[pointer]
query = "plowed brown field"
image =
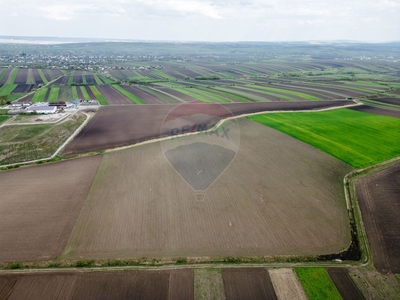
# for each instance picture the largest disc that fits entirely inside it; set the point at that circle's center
(41, 206)
(279, 196)
(248, 284)
(378, 197)
(116, 126)
(168, 285)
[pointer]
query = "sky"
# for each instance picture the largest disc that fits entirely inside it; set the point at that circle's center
(203, 20)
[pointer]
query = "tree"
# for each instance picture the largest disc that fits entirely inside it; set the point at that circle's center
(3, 100)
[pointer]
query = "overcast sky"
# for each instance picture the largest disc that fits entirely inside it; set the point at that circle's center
(203, 20)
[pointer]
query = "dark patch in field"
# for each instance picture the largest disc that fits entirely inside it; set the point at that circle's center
(394, 101)
(378, 195)
(200, 163)
(116, 126)
(181, 284)
(78, 77)
(4, 79)
(345, 285)
(62, 80)
(23, 88)
(38, 286)
(148, 98)
(21, 77)
(251, 283)
(376, 110)
(36, 76)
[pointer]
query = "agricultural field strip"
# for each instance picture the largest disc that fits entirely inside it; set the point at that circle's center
(317, 284)
(40, 95)
(58, 150)
(220, 123)
(99, 96)
(353, 151)
(30, 79)
(165, 93)
(255, 91)
(12, 76)
(44, 79)
(308, 87)
(53, 96)
(7, 89)
(131, 96)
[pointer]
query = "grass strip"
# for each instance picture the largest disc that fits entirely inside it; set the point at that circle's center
(30, 79)
(74, 93)
(317, 284)
(99, 96)
(97, 79)
(12, 76)
(357, 138)
(53, 96)
(298, 94)
(155, 94)
(45, 81)
(40, 95)
(71, 78)
(2, 117)
(7, 89)
(84, 79)
(85, 94)
(105, 79)
(131, 96)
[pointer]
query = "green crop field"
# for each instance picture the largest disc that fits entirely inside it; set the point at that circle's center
(74, 93)
(131, 96)
(40, 71)
(71, 78)
(359, 139)
(7, 89)
(317, 283)
(30, 79)
(97, 79)
(53, 96)
(12, 76)
(99, 96)
(39, 95)
(3, 118)
(85, 94)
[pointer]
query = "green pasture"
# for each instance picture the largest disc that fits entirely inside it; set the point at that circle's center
(3, 117)
(359, 139)
(317, 284)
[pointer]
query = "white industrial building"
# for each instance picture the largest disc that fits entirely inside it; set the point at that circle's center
(42, 109)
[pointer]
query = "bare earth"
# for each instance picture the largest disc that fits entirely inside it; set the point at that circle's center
(286, 284)
(41, 206)
(278, 196)
(378, 195)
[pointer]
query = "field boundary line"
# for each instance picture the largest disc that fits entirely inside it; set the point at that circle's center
(59, 148)
(217, 125)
